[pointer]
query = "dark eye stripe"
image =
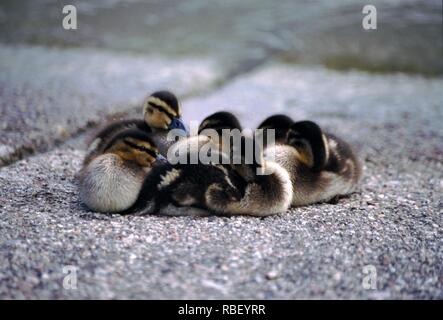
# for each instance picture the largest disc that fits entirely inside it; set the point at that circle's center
(161, 109)
(141, 148)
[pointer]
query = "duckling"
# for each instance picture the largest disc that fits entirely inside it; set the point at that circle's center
(240, 187)
(280, 123)
(184, 152)
(261, 194)
(218, 123)
(111, 181)
(169, 188)
(161, 113)
(322, 166)
(265, 187)
(210, 136)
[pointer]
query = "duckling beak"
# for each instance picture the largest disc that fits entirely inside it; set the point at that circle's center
(177, 123)
(161, 159)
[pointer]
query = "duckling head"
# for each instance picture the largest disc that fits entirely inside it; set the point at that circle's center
(219, 121)
(162, 111)
(280, 123)
(310, 142)
(221, 127)
(135, 146)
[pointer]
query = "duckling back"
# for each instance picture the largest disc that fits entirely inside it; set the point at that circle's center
(266, 194)
(109, 184)
(105, 134)
(342, 159)
(262, 187)
(308, 186)
(320, 165)
(169, 187)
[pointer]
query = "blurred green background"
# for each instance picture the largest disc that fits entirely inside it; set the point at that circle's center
(408, 38)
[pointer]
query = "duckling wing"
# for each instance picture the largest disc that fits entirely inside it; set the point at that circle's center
(343, 160)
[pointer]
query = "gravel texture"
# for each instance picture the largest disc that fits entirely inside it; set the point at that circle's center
(394, 223)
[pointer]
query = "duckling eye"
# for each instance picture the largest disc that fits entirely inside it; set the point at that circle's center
(150, 111)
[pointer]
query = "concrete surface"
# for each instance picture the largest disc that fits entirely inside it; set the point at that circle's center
(394, 223)
(49, 95)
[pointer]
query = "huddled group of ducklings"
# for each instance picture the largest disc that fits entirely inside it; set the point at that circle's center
(126, 169)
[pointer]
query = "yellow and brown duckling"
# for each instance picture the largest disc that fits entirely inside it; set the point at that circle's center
(322, 166)
(111, 181)
(161, 113)
(237, 187)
